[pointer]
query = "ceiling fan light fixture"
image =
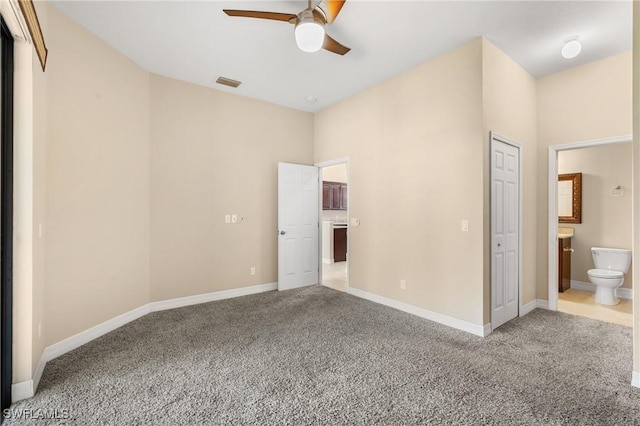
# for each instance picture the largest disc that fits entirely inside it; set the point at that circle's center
(309, 35)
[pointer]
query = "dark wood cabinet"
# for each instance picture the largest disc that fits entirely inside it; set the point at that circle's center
(344, 196)
(339, 244)
(564, 264)
(334, 196)
(326, 196)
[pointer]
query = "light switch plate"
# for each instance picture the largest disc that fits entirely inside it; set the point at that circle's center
(227, 218)
(234, 218)
(355, 221)
(464, 226)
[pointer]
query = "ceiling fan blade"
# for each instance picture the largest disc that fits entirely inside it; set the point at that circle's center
(274, 16)
(333, 46)
(333, 8)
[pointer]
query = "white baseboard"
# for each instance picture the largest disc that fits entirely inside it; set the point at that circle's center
(22, 390)
(532, 305)
(528, 307)
(210, 297)
(542, 304)
(77, 340)
(635, 379)
(27, 389)
(623, 293)
(478, 330)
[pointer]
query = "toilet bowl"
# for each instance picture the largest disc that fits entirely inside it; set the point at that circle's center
(610, 266)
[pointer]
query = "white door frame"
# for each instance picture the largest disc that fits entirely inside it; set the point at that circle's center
(552, 223)
(494, 136)
(335, 162)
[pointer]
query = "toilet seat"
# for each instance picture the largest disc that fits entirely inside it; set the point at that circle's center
(605, 273)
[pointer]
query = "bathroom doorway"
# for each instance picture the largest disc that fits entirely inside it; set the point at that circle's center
(334, 224)
(603, 197)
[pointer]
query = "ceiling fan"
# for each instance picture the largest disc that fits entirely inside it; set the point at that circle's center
(309, 25)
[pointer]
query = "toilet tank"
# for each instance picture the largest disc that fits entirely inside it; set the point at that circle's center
(611, 258)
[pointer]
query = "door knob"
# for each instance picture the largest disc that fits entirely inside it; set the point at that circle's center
(282, 232)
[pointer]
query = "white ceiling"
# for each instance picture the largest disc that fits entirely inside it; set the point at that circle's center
(197, 42)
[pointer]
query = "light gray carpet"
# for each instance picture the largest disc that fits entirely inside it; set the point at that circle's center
(318, 356)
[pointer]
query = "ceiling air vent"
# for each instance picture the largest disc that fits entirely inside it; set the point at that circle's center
(228, 82)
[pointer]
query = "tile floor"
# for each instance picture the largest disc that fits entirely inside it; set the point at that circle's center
(579, 302)
(335, 275)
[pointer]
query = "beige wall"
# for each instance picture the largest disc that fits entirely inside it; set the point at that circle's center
(215, 153)
(97, 173)
(140, 170)
(509, 109)
(606, 220)
(591, 101)
(401, 137)
(337, 173)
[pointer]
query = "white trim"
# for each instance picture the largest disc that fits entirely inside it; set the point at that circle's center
(552, 220)
(210, 297)
(39, 370)
(477, 329)
(528, 307)
(494, 136)
(486, 330)
(22, 390)
(542, 304)
(27, 388)
(14, 19)
(581, 285)
(320, 165)
(635, 379)
(623, 293)
(77, 340)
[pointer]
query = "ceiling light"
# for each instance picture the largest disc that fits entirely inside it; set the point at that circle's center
(309, 33)
(571, 48)
(311, 99)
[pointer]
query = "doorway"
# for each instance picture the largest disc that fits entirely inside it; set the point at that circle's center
(603, 207)
(334, 224)
(506, 230)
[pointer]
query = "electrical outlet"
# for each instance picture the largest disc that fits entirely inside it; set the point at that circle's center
(227, 218)
(253, 270)
(403, 284)
(234, 218)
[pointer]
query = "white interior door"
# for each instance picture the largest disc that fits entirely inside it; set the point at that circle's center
(505, 231)
(297, 225)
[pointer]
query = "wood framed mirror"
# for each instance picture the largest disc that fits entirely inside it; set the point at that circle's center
(570, 198)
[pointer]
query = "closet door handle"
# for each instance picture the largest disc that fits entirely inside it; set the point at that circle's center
(570, 250)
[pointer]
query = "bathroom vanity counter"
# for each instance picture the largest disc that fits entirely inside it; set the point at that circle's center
(565, 233)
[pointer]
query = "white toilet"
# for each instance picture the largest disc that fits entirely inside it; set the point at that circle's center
(611, 265)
